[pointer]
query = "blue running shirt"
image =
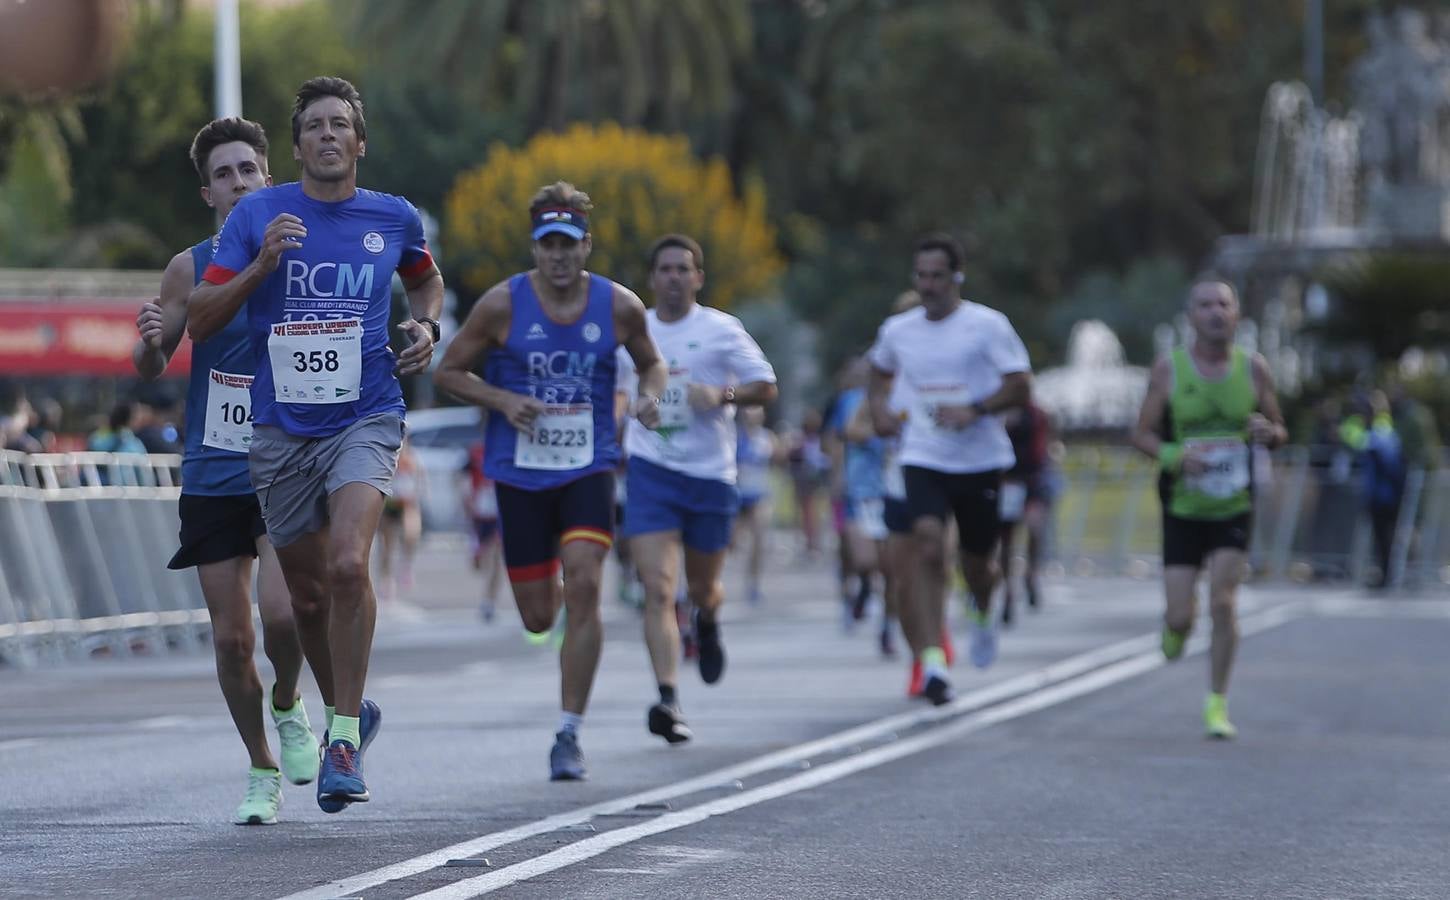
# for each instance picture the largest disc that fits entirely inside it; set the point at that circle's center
(319, 324)
(218, 404)
(569, 366)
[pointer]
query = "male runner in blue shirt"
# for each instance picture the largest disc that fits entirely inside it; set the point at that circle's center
(313, 263)
(550, 337)
(221, 522)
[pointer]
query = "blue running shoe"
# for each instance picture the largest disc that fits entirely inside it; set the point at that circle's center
(566, 760)
(370, 719)
(341, 778)
(983, 650)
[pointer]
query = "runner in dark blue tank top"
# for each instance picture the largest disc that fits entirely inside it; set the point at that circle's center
(221, 520)
(312, 265)
(549, 336)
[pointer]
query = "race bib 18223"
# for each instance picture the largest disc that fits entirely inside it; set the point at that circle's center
(562, 438)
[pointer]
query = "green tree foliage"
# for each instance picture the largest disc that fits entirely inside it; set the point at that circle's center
(1390, 303)
(642, 186)
(657, 63)
(132, 166)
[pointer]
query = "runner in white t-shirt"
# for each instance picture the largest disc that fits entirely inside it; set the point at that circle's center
(681, 487)
(963, 363)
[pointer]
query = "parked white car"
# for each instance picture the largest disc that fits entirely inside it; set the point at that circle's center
(441, 438)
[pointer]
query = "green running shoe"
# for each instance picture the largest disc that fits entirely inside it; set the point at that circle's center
(1173, 642)
(1215, 718)
(264, 796)
(300, 760)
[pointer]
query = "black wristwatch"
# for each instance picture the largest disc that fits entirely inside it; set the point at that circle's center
(980, 409)
(433, 326)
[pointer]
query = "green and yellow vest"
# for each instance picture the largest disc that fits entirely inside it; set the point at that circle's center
(1214, 416)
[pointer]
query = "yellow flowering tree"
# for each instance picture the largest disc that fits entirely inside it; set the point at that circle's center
(643, 185)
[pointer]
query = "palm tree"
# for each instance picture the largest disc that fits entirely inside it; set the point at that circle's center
(656, 63)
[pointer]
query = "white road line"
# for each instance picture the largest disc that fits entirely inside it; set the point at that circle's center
(1013, 709)
(1022, 684)
(19, 743)
(1381, 608)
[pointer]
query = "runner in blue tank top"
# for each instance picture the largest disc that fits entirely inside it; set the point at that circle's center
(221, 521)
(550, 336)
(312, 263)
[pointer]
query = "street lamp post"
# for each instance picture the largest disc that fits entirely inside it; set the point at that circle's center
(228, 60)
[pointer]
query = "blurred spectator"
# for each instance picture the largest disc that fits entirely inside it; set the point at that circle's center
(1331, 499)
(477, 492)
(755, 453)
(1382, 455)
(809, 469)
(16, 422)
(850, 393)
(1416, 425)
(158, 406)
(46, 424)
(1028, 490)
(119, 433)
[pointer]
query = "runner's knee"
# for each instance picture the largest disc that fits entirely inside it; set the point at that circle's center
(234, 645)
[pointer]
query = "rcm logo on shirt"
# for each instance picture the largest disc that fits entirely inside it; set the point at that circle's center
(563, 376)
(328, 281)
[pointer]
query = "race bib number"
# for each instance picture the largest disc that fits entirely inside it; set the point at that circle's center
(930, 396)
(316, 361)
(228, 412)
(562, 438)
(1011, 501)
(753, 480)
(1227, 471)
(675, 401)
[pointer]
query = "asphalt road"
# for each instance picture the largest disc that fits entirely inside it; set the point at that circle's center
(1072, 768)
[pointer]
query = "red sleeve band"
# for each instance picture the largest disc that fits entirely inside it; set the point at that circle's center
(417, 267)
(216, 274)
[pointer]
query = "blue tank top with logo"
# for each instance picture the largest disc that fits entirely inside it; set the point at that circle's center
(571, 367)
(215, 464)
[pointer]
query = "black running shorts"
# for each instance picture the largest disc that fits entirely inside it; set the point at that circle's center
(970, 497)
(216, 529)
(535, 524)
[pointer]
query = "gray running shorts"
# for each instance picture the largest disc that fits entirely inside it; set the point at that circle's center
(294, 475)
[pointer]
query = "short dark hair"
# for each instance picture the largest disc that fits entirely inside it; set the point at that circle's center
(225, 131)
(684, 242)
(314, 89)
(940, 240)
(559, 195)
(120, 416)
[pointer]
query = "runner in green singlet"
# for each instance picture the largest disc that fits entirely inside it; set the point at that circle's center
(1206, 404)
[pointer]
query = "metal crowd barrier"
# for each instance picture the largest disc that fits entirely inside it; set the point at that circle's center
(84, 542)
(1310, 522)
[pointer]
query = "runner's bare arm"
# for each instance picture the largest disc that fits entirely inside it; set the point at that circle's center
(1146, 434)
(632, 330)
(756, 393)
(162, 321)
(485, 329)
(1015, 391)
(211, 306)
(425, 299)
(859, 429)
(878, 390)
(1267, 425)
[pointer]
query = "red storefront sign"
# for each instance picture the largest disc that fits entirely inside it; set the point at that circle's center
(74, 338)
